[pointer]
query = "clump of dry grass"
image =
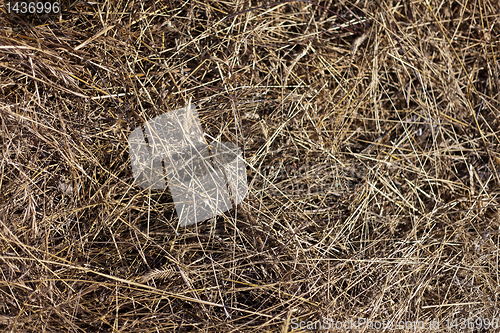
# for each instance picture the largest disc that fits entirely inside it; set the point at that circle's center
(370, 130)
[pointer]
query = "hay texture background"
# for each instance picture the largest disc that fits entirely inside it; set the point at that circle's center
(371, 135)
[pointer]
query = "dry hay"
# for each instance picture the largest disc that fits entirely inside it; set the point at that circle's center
(370, 132)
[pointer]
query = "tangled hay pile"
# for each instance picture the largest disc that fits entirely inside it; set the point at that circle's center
(370, 133)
